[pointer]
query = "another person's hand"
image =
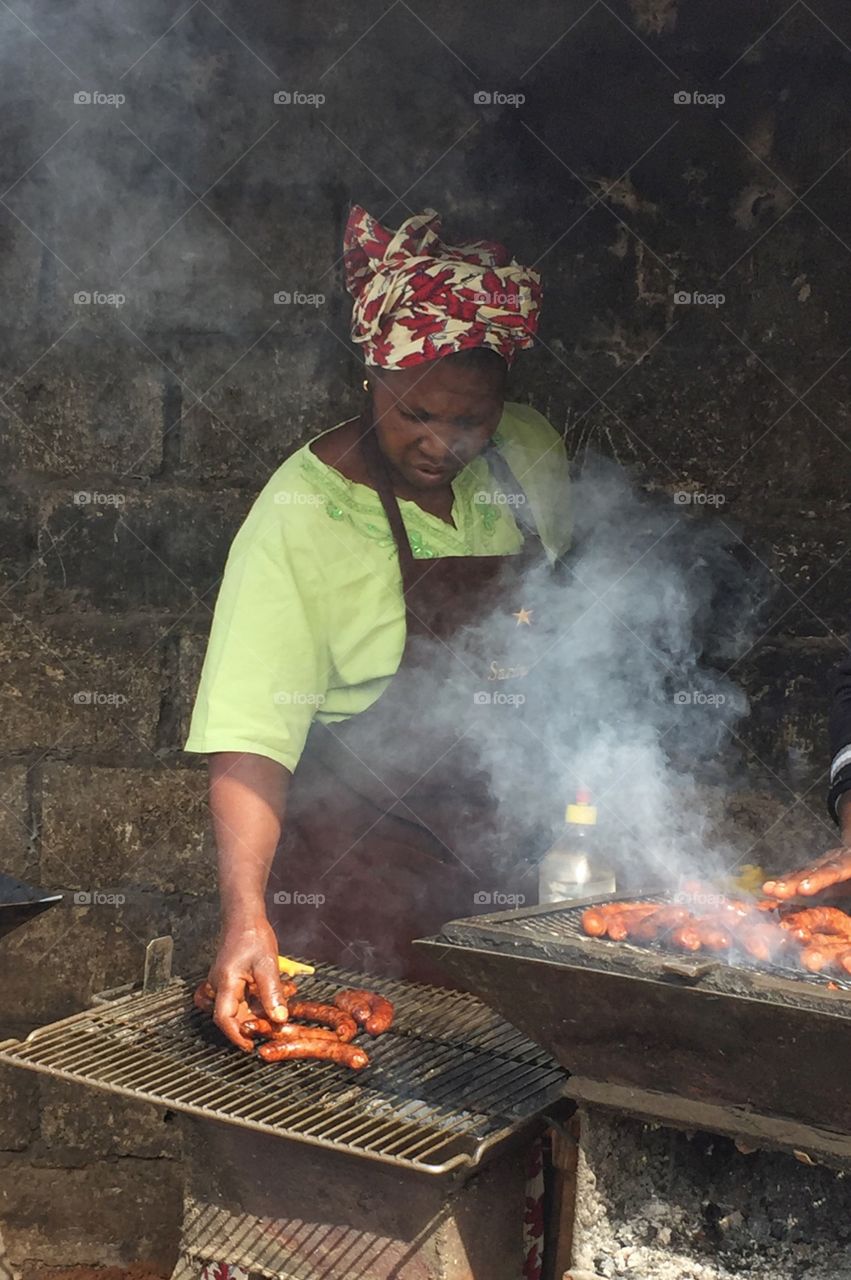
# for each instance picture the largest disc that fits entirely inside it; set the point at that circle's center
(247, 954)
(833, 869)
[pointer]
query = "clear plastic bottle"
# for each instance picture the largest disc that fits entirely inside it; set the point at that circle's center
(572, 867)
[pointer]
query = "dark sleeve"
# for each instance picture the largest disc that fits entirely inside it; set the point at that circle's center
(839, 729)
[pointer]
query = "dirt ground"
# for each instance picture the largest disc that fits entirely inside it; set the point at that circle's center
(138, 1271)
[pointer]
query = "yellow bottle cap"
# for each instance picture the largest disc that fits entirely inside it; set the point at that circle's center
(584, 814)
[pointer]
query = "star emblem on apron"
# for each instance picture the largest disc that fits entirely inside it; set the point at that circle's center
(523, 616)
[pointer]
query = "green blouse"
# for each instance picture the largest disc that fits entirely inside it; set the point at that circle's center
(310, 619)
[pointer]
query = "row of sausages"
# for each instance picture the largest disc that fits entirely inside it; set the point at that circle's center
(290, 1040)
(819, 937)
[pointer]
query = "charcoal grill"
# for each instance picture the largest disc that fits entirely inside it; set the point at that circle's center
(666, 1035)
(446, 1085)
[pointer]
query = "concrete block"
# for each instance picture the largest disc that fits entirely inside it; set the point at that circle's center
(18, 1108)
(85, 409)
(80, 948)
(18, 554)
(123, 549)
(79, 1124)
(279, 395)
(64, 686)
(788, 686)
(104, 827)
(109, 1212)
(17, 856)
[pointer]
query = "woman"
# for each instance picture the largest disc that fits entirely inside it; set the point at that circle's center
(376, 629)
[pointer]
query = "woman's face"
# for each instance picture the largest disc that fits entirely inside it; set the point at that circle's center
(432, 419)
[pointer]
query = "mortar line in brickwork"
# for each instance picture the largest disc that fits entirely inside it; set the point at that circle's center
(33, 791)
(172, 406)
(165, 735)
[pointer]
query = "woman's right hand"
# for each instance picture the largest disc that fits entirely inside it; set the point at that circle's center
(248, 953)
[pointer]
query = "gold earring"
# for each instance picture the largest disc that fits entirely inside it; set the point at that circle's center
(366, 384)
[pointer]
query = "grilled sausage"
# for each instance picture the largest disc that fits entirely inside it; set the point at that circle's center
(822, 951)
(711, 933)
(764, 941)
(331, 1050)
(687, 937)
(312, 1011)
(619, 923)
(289, 1031)
(204, 998)
(651, 928)
(370, 1011)
(596, 919)
(818, 920)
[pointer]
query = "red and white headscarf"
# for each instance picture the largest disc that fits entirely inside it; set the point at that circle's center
(417, 299)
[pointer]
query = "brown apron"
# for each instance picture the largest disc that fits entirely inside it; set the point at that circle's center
(396, 821)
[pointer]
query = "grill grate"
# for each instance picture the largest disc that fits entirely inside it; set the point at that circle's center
(450, 1079)
(555, 932)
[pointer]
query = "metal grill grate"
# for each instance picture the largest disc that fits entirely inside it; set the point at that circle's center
(555, 933)
(447, 1082)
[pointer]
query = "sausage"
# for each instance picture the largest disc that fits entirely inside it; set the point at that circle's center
(370, 1011)
(287, 1032)
(687, 937)
(764, 941)
(204, 998)
(331, 1050)
(650, 928)
(715, 935)
(595, 919)
(619, 923)
(818, 920)
(822, 951)
(312, 1011)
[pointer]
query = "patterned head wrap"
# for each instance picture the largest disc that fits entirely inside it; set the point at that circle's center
(417, 299)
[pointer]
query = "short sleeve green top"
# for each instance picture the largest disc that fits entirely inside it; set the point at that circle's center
(310, 619)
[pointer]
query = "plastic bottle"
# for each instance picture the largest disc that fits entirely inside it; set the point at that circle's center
(572, 867)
